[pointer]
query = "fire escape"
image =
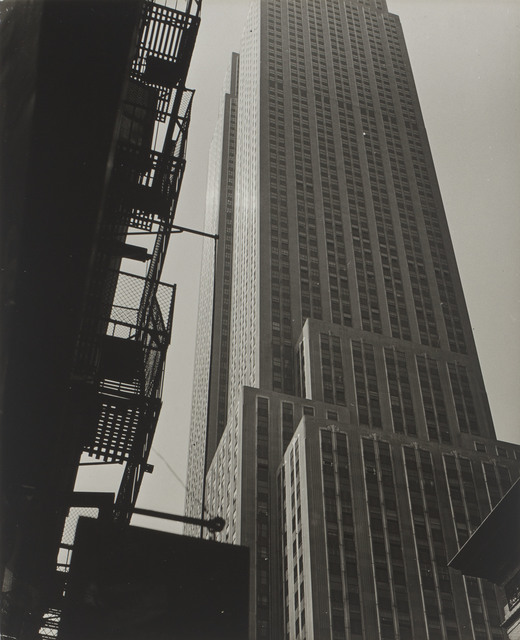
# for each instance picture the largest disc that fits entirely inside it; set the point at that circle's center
(128, 318)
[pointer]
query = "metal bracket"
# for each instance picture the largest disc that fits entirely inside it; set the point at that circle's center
(214, 525)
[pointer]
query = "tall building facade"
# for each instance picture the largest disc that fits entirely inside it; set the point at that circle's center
(349, 439)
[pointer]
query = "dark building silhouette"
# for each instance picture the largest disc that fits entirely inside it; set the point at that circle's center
(349, 440)
(94, 124)
(139, 583)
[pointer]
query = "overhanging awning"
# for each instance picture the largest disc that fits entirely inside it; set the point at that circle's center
(493, 551)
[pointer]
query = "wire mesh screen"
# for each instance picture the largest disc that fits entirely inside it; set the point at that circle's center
(132, 366)
(69, 530)
(131, 308)
(161, 311)
(126, 305)
(50, 624)
(154, 354)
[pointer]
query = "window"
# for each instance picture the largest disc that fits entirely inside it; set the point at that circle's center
(512, 589)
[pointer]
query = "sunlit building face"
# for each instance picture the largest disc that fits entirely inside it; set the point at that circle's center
(350, 443)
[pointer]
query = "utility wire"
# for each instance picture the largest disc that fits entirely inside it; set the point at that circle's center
(169, 466)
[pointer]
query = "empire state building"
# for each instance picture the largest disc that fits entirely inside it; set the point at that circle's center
(340, 423)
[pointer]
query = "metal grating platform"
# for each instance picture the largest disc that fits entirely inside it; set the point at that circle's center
(166, 45)
(131, 367)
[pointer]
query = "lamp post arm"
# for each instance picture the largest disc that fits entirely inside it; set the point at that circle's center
(214, 524)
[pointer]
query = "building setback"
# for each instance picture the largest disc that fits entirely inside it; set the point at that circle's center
(349, 439)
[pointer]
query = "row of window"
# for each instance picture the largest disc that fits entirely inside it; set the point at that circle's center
(318, 66)
(426, 490)
(397, 386)
(342, 569)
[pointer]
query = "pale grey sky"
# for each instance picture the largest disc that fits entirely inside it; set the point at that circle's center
(465, 56)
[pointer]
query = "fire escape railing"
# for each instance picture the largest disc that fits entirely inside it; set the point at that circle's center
(132, 356)
(122, 350)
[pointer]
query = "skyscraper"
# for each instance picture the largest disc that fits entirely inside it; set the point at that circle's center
(349, 439)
